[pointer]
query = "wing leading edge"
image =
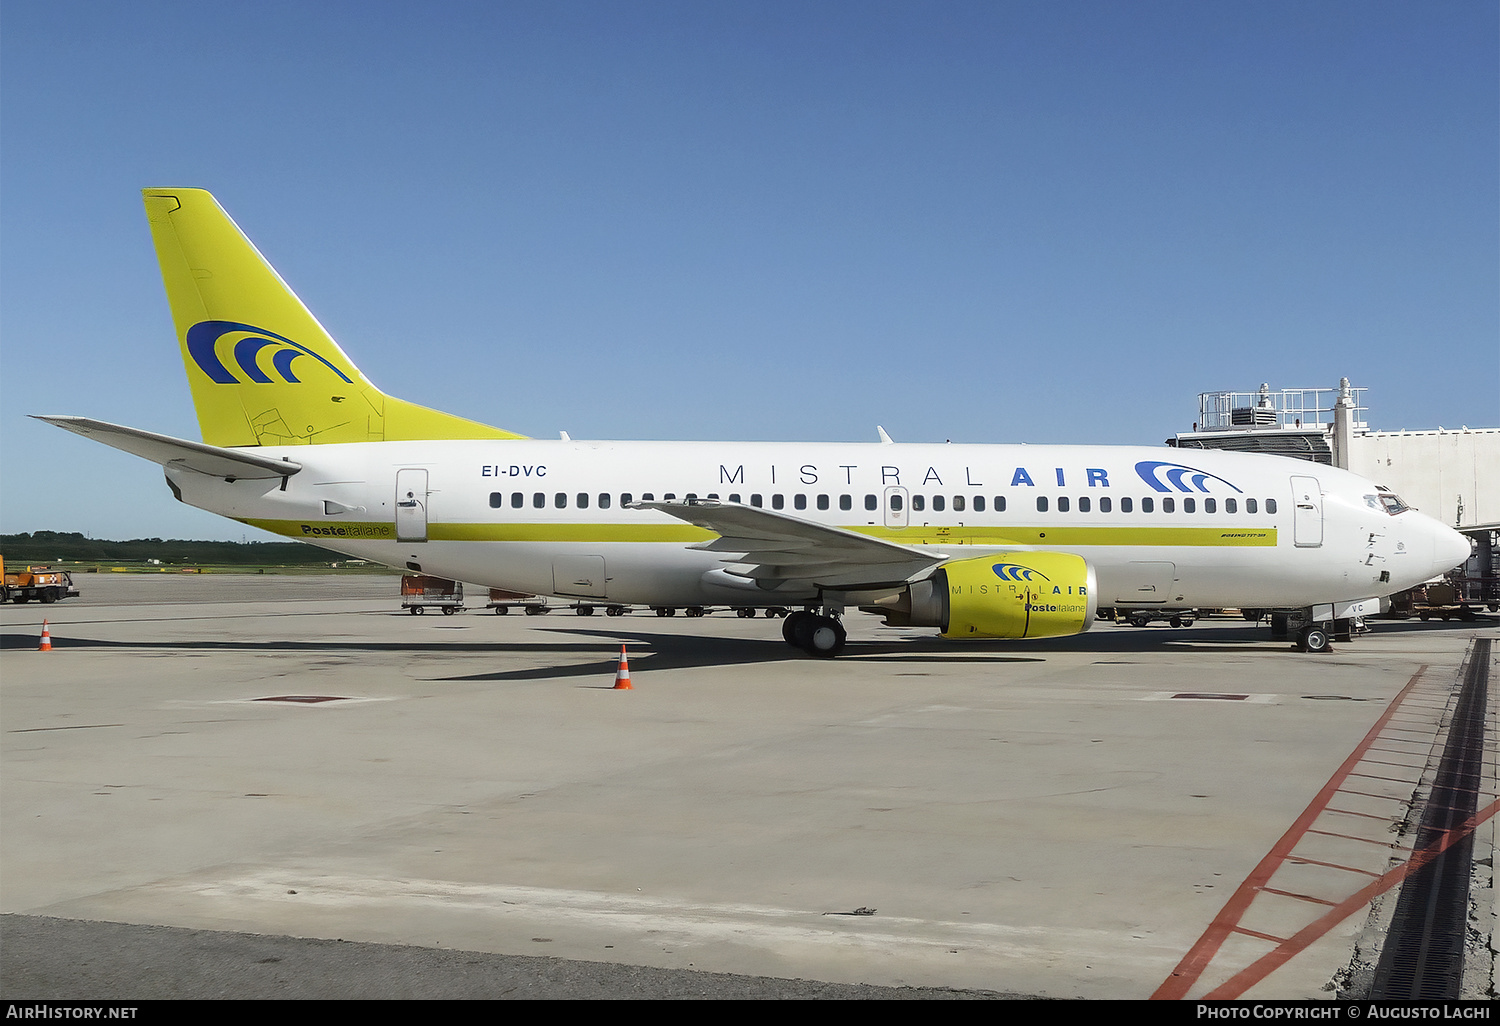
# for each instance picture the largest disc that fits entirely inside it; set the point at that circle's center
(770, 547)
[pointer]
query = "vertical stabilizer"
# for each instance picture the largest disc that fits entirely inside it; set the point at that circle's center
(262, 370)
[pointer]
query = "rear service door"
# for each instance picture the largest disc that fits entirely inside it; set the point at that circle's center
(411, 505)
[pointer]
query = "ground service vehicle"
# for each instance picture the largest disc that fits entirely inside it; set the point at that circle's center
(420, 592)
(36, 582)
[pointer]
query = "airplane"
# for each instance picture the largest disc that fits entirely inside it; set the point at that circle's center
(979, 541)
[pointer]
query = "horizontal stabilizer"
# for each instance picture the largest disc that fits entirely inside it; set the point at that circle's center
(177, 452)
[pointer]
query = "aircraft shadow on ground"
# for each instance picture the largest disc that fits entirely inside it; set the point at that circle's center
(655, 650)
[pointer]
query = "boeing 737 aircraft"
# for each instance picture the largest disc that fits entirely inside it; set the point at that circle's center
(998, 541)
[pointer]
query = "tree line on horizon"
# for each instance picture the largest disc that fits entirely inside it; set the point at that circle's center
(51, 546)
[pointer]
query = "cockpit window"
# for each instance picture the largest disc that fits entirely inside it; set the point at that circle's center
(1392, 502)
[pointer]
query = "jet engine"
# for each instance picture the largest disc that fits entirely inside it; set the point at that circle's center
(1010, 595)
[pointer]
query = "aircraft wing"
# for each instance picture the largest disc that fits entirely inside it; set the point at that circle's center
(764, 545)
(177, 452)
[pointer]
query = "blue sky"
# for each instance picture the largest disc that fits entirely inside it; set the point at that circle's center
(990, 222)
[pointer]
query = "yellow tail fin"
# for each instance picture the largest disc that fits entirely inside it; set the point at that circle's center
(263, 371)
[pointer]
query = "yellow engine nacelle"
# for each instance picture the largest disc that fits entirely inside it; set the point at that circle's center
(1012, 595)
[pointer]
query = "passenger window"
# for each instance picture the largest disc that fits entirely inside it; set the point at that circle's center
(1251, 506)
(539, 500)
(1230, 506)
(668, 496)
(918, 503)
(625, 498)
(560, 500)
(778, 501)
(872, 503)
(1210, 506)
(1189, 506)
(999, 504)
(517, 500)
(799, 501)
(1106, 504)
(496, 500)
(847, 501)
(896, 502)
(1148, 504)
(755, 500)
(1083, 504)
(938, 503)
(1062, 503)
(1041, 504)
(604, 500)
(1270, 505)
(979, 504)
(958, 504)
(734, 496)
(690, 496)
(1169, 505)
(583, 500)
(822, 502)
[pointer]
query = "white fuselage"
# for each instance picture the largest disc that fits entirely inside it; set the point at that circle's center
(1162, 527)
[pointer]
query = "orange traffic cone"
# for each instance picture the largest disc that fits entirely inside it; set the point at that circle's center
(622, 675)
(46, 645)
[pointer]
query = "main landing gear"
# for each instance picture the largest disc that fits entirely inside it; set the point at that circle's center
(817, 634)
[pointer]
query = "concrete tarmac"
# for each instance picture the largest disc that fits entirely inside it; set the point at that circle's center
(295, 757)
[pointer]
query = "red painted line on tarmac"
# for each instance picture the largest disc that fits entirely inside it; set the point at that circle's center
(1300, 861)
(1381, 776)
(1381, 842)
(1258, 935)
(1299, 897)
(1182, 978)
(1269, 963)
(1374, 794)
(1362, 815)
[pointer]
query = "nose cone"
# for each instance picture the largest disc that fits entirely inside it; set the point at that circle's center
(1449, 549)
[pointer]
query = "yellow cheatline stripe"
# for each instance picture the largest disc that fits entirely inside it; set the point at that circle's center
(679, 533)
(1070, 536)
(685, 534)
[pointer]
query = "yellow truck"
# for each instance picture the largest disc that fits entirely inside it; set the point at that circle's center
(35, 582)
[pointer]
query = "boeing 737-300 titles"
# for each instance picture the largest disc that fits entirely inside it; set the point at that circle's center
(998, 541)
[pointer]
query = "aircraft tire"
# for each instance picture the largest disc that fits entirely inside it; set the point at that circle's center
(825, 636)
(1312, 639)
(789, 627)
